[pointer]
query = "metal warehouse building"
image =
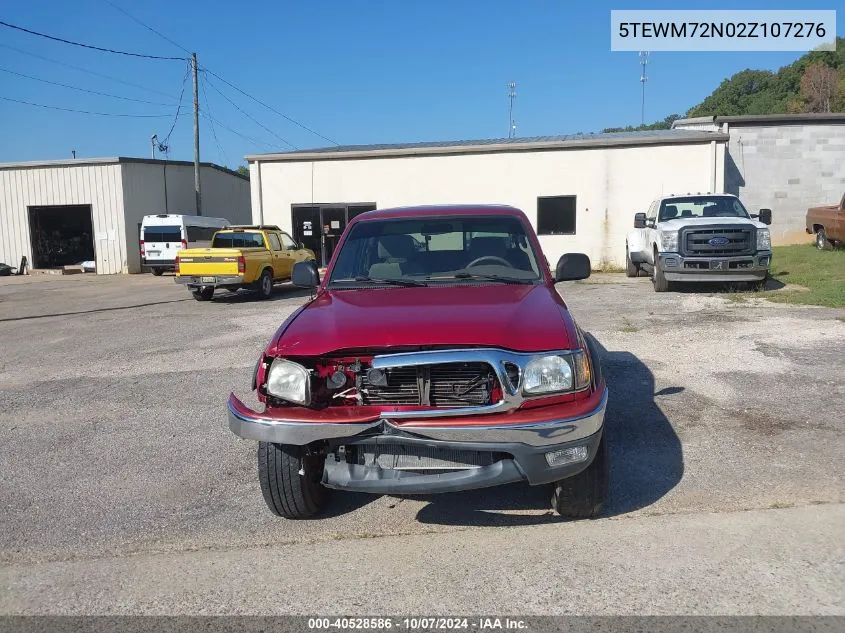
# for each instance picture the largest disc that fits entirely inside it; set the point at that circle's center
(784, 162)
(62, 212)
(580, 192)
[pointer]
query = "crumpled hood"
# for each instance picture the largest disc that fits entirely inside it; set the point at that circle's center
(679, 223)
(517, 317)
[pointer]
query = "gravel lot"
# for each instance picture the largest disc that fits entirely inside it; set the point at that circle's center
(117, 467)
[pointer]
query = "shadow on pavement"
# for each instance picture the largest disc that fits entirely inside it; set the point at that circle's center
(93, 310)
(280, 293)
(645, 455)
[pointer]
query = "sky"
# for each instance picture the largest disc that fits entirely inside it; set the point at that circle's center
(353, 71)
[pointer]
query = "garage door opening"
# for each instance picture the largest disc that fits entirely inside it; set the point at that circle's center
(61, 235)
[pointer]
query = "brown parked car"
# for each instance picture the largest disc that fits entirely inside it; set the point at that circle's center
(827, 224)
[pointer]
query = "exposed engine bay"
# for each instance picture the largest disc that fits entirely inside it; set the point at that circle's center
(352, 380)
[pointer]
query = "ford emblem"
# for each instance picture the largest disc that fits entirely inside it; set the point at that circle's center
(718, 241)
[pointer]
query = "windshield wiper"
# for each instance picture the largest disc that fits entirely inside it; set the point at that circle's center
(382, 280)
(499, 278)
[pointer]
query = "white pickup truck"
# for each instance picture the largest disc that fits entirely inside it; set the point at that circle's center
(699, 237)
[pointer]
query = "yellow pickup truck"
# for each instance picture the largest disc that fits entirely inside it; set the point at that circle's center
(251, 257)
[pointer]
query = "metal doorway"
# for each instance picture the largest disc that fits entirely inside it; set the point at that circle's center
(319, 226)
(61, 235)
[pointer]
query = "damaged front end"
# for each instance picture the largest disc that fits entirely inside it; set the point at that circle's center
(434, 420)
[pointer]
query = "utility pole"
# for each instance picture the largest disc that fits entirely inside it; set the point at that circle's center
(511, 96)
(643, 79)
(153, 143)
(197, 189)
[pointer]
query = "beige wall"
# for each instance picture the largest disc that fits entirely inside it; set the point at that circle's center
(97, 185)
(611, 184)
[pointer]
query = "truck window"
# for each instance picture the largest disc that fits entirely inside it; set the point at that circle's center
(287, 242)
(238, 240)
(274, 242)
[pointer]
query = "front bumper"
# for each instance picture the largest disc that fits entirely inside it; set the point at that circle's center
(677, 267)
(524, 447)
(211, 281)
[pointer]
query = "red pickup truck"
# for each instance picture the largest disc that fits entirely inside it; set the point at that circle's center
(827, 223)
(435, 356)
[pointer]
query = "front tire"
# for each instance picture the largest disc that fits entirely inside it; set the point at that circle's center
(822, 243)
(290, 480)
(203, 294)
(658, 278)
(631, 269)
(582, 496)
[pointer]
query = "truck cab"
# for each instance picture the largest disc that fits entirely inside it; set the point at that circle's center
(699, 238)
(827, 224)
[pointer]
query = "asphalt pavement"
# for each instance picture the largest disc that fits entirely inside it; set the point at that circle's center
(122, 491)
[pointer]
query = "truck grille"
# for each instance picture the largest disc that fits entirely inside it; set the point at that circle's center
(450, 385)
(697, 241)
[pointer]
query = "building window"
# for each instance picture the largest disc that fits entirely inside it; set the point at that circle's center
(556, 215)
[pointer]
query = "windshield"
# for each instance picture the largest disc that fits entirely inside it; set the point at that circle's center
(433, 250)
(238, 240)
(162, 234)
(702, 207)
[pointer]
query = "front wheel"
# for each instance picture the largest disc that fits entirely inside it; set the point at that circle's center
(582, 496)
(290, 480)
(661, 284)
(158, 272)
(822, 243)
(203, 294)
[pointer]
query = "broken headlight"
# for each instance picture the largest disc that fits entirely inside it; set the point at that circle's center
(289, 381)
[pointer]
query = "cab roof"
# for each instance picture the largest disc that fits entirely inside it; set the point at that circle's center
(441, 210)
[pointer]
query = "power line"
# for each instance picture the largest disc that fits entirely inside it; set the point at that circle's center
(164, 144)
(271, 108)
(247, 115)
(220, 152)
(52, 107)
(146, 26)
(88, 46)
(90, 72)
(93, 92)
(235, 132)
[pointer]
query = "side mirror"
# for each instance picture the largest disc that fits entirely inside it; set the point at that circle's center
(572, 266)
(766, 216)
(305, 274)
(639, 220)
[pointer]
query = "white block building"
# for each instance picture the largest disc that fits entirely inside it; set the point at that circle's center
(580, 192)
(65, 211)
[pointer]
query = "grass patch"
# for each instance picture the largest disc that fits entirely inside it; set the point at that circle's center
(628, 327)
(607, 267)
(822, 272)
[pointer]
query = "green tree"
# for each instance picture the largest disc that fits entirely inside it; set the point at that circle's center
(243, 171)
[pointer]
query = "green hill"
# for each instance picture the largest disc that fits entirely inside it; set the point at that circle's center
(765, 92)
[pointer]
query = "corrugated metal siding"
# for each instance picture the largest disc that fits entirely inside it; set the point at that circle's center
(223, 196)
(96, 185)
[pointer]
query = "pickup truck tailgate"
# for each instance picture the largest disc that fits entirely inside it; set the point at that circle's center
(209, 261)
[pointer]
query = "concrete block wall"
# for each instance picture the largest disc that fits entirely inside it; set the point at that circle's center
(787, 168)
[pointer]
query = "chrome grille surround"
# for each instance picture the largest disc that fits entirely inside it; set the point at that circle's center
(497, 359)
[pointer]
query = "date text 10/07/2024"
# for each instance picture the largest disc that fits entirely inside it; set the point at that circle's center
(421, 623)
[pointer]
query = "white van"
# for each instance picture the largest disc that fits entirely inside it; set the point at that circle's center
(164, 235)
